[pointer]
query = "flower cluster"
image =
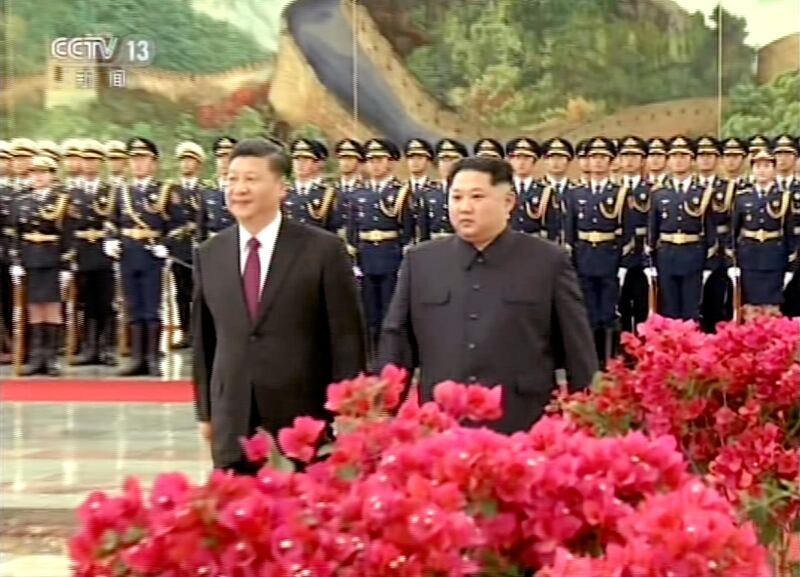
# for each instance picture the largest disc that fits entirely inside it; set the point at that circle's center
(405, 490)
(731, 399)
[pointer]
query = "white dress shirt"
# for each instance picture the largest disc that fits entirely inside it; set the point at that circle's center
(267, 238)
(522, 184)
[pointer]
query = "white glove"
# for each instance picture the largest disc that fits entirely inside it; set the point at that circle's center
(111, 247)
(16, 272)
(357, 271)
(621, 274)
(651, 272)
(734, 272)
(706, 274)
(787, 278)
(64, 278)
(160, 251)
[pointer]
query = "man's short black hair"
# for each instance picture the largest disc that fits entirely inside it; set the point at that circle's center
(498, 169)
(262, 148)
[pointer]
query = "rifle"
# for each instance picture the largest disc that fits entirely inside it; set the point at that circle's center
(19, 326)
(652, 296)
(737, 297)
(123, 344)
(71, 321)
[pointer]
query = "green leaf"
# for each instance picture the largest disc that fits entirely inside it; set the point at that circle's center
(347, 473)
(325, 450)
(279, 462)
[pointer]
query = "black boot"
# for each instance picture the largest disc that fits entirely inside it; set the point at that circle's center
(152, 356)
(136, 365)
(53, 334)
(108, 345)
(91, 346)
(36, 358)
(612, 343)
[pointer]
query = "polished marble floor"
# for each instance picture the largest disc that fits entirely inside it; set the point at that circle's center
(53, 454)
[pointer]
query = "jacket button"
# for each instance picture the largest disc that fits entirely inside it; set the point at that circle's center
(253, 338)
(472, 379)
(473, 316)
(476, 287)
(471, 346)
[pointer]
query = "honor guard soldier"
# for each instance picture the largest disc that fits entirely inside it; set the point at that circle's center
(91, 206)
(538, 208)
(489, 148)
(22, 152)
(117, 162)
(786, 151)
(419, 154)
(448, 152)
(381, 226)
(6, 235)
(734, 151)
(72, 152)
(141, 221)
(183, 237)
(214, 215)
(595, 224)
(433, 220)
(764, 244)
(557, 154)
(716, 303)
(41, 261)
(309, 200)
(656, 162)
(349, 156)
(681, 238)
(634, 305)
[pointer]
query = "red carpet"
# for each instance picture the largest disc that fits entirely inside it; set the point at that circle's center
(96, 390)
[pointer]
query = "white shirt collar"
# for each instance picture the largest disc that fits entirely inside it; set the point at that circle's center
(267, 238)
(189, 181)
(523, 183)
(601, 183)
(557, 182)
(141, 182)
(381, 184)
(633, 179)
(417, 182)
(348, 182)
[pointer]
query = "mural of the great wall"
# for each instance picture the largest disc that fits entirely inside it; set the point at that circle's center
(403, 68)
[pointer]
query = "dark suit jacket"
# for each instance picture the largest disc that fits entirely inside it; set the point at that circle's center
(309, 334)
(504, 316)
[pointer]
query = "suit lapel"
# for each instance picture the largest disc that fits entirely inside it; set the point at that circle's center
(230, 267)
(287, 249)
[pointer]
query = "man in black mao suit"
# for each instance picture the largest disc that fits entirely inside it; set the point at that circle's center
(276, 314)
(490, 305)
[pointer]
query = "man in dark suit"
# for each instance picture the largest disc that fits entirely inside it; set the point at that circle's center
(490, 305)
(276, 315)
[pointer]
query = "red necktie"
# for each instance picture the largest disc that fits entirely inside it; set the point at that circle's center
(252, 277)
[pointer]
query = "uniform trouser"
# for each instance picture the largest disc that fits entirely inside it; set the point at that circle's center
(680, 294)
(601, 294)
(142, 287)
(791, 297)
(376, 294)
(717, 305)
(96, 294)
(633, 299)
(6, 297)
(183, 293)
(762, 287)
